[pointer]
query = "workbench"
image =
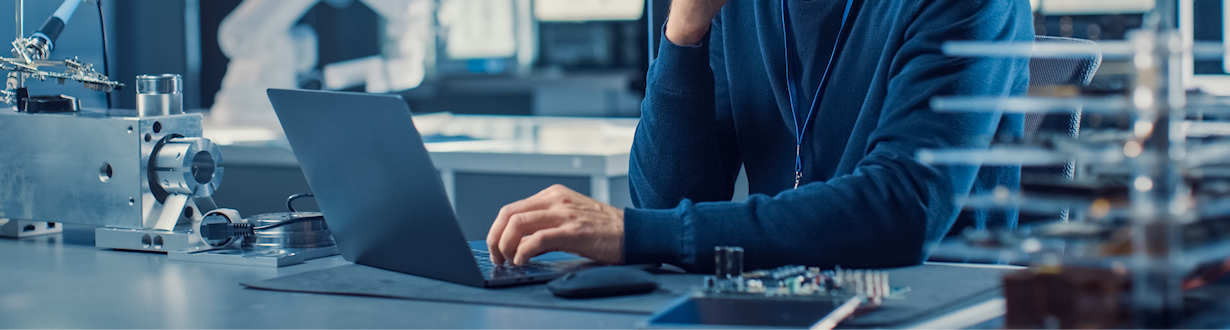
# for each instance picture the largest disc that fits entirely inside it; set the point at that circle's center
(63, 281)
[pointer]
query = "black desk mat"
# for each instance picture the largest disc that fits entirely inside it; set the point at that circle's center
(933, 288)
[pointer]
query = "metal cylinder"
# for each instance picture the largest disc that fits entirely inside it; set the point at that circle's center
(188, 166)
(160, 95)
(306, 234)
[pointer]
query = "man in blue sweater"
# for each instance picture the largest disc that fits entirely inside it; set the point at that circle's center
(824, 103)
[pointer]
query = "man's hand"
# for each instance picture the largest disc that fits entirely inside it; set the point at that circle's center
(557, 219)
(689, 20)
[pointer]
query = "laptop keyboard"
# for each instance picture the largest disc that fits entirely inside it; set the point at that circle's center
(534, 267)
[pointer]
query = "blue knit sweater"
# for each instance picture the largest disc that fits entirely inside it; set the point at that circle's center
(865, 200)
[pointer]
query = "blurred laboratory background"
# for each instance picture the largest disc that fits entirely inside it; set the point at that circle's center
(514, 58)
(509, 57)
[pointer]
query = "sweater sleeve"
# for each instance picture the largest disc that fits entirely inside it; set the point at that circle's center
(685, 145)
(892, 207)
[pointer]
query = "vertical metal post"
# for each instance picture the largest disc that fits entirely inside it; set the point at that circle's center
(1159, 196)
(21, 33)
(21, 4)
(192, 54)
(527, 36)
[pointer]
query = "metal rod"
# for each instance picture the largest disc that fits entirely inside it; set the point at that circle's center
(1159, 195)
(20, 21)
(21, 32)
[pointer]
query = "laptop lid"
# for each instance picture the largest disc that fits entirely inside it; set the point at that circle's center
(381, 196)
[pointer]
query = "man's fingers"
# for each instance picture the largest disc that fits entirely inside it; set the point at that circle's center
(535, 202)
(540, 242)
(527, 223)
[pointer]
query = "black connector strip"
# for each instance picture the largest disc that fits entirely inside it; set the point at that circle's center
(221, 231)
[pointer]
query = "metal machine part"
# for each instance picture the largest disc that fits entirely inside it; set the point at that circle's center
(133, 176)
(304, 234)
(19, 229)
(279, 239)
(160, 95)
(181, 168)
(218, 216)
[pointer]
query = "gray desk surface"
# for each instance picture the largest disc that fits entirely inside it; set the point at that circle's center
(62, 281)
(54, 282)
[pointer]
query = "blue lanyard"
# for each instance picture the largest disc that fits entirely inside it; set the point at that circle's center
(794, 99)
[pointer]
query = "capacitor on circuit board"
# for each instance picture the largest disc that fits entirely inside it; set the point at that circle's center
(728, 260)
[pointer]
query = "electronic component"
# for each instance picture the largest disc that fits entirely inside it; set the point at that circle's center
(795, 282)
(32, 52)
(787, 296)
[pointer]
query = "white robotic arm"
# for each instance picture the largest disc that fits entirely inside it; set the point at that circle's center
(266, 50)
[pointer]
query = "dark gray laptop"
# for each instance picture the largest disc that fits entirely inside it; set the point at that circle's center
(382, 197)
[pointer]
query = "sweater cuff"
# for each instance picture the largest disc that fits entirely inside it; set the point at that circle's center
(652, 236)
(678, 65)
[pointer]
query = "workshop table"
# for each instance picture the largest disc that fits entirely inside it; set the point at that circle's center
(62, 281)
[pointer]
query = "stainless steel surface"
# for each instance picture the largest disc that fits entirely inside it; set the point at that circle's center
(74, 168)
(260, 257)
(51, 283)
(320, 238)
(160, 95)
(160, 84)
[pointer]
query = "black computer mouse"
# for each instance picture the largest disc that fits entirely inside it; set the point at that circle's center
(603, 282)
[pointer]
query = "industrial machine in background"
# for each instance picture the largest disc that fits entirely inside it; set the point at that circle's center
(1146, 242)
(144, 177)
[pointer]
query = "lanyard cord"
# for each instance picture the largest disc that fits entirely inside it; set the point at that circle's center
(794, 99)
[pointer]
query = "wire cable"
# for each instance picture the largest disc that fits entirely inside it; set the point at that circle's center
(232, 230)
(290, 207)
(288, 222)
(291, 200)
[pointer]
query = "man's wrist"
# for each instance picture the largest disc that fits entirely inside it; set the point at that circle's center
(688, 21)
(685, 35)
